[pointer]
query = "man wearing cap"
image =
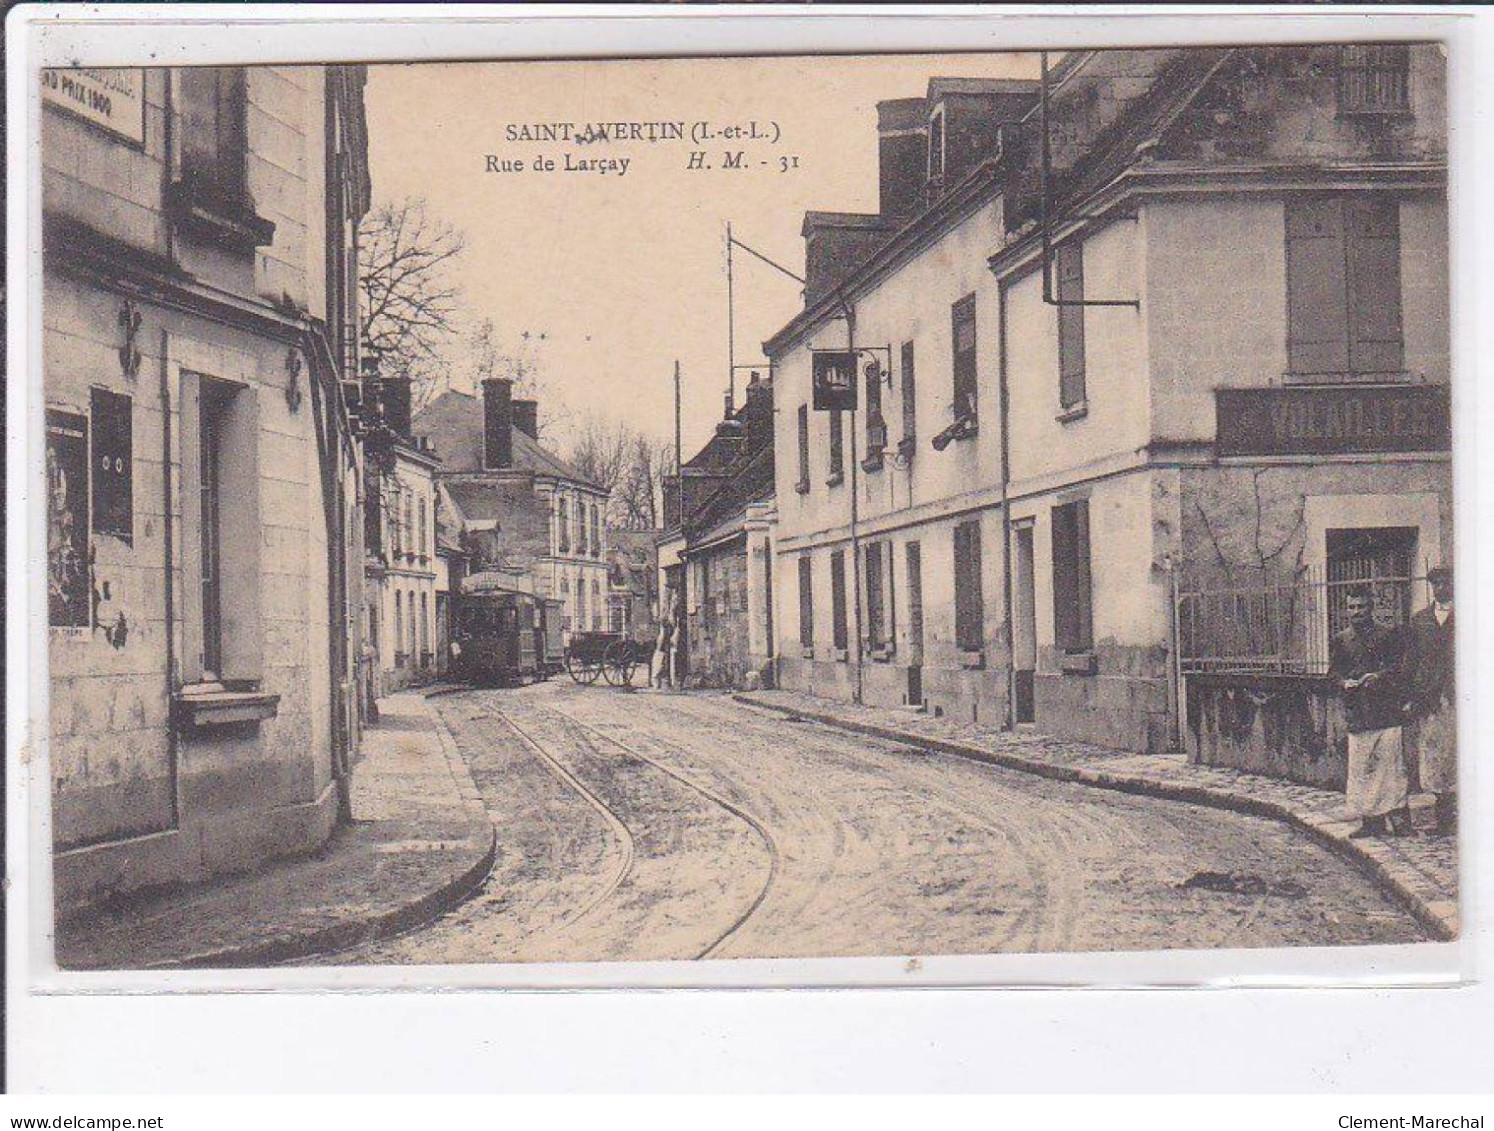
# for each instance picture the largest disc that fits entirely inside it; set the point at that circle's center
(1367, 662)
(1428, 683)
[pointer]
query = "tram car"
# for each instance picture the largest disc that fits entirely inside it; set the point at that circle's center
(502, 637)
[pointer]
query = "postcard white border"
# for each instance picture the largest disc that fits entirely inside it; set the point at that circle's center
(182, 33)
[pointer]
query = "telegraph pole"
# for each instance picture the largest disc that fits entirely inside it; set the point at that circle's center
(855, 489)
(731, 330)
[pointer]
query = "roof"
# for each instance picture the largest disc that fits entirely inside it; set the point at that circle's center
(751, 482)
(454, 424)
(939, 87)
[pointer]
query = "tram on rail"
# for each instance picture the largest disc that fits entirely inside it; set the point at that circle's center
(505, 637)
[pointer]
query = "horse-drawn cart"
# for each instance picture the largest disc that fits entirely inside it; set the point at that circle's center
(609, 655)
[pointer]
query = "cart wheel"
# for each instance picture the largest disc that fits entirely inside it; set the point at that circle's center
(580, 670)
(618, 663)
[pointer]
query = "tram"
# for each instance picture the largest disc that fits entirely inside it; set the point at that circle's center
(505, 637)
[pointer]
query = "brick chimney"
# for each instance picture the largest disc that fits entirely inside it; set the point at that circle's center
(497, 423)
(526, 418)
(902, 155)
(835, 244)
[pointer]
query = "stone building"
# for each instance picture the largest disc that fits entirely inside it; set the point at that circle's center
(715, 556)
(523, 508)
(1209, 348)
(201, 476)
(633, 580)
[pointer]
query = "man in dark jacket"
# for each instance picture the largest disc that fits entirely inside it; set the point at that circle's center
(1428, 682)
(1366, 659)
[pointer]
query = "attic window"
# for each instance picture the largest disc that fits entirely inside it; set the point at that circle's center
(1374, 79)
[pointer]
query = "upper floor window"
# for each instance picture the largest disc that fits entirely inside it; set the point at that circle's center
(837, 446)
(1374, 78)
(1344, 286)
(215, 107)
(422, 549)
(962, 332)
(563, 525)
(803, 484)
(596, 531)
(1068, 267)
(910, 404)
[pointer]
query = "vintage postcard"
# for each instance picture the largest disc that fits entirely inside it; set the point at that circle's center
(798, 507)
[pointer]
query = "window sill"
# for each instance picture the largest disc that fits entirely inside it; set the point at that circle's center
(842, 655)
(836, 479)
(872, 463)
(881, 655)
(205, 210)
(972, 661)
(1074, 412)
(806, 651)
(1397, 377)
(802, 486)
(907, 446)
(211, 704)
(1077, 663)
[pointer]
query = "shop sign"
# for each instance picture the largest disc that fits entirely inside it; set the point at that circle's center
(1333, 420)
(112, 99)
(834, 380)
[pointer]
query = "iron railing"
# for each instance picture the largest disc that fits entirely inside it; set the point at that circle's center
(1285, 628)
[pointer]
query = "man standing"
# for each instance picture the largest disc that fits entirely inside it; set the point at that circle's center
(1367, 663)
(1428, 683)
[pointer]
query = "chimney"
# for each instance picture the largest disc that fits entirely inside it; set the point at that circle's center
(835, 245)
(497, 423)
(526, 418)
(902, 155)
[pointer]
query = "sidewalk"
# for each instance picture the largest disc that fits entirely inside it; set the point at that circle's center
(1420, 872)
(419, 844)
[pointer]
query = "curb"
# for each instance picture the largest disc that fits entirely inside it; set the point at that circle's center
(406, 917)
(1440, 924)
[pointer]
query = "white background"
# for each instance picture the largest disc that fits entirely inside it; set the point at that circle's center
(1029, 1040)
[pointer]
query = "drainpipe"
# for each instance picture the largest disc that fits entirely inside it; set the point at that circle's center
(1010, 722)
(850, 312)
(167, 538)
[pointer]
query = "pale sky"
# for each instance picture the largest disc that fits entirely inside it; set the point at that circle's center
(624, 274)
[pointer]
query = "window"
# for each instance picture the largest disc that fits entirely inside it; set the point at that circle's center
(399, 624)
(1073, 619)
(910, 400)
(214, 107)
(962, 326)
(837, 446)
(68, 589)
(422, 549)
(596, 531)
(596, 603)
(803, 485)
(209, 493)
(579, 534)
(565, 601)
(969, 606)
(563, 526)
(409, 525)
(1344, 286)
(1068, 266)
(581, 604)
(1374, 79)
(838, 600)
(876, 426)
(879, 604)
(806, 602)
(424, 643)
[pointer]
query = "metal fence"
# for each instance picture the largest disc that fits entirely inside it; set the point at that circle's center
(1284, 628)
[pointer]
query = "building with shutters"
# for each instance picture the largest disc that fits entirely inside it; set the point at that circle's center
(521, 506)
(1222, 361)
(202, 477)
(716, 551)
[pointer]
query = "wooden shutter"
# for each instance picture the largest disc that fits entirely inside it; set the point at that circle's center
(969, 631)
(962, 331)
(837, 443)
(113, 465)
(838, 598)
(876, 633)
(1317, 286)
(1073, 621)
(1374, 308)
(806, 602)
(1069, 268)
(910, 404)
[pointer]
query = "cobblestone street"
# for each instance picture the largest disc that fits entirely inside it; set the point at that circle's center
(651, 826)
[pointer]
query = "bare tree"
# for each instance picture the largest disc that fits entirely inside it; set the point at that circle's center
(638, 499)
(409, 302)
(600, 451)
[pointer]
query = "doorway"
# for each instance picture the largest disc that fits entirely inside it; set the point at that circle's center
(1384, 557)
(1024, 628)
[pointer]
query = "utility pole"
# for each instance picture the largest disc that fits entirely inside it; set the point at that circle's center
(855, 489)
(678, 455)
(731, 331)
